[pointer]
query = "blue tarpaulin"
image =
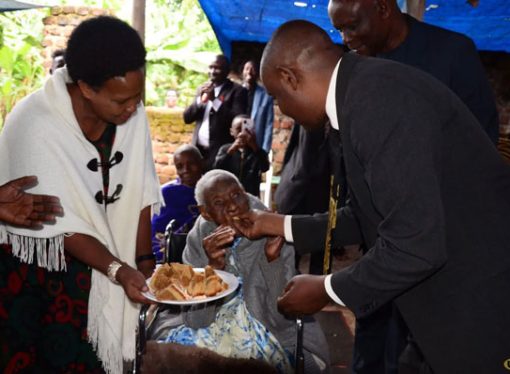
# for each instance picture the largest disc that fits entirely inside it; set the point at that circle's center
(488, 24)
(10, 5)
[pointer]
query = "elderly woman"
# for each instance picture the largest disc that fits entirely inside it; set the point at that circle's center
(247, 325)
(70, 290)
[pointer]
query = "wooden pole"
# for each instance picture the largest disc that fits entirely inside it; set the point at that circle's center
(139, 17)
(139, 24)
(415, 8)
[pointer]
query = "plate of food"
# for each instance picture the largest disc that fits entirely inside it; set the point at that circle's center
(181, 284)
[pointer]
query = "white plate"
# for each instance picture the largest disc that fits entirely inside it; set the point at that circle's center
(229, 278)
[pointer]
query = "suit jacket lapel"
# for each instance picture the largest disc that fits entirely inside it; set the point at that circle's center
(226, 89)
(353, 169)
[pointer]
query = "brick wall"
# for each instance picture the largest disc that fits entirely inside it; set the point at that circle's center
(59, 25)
(169, 131)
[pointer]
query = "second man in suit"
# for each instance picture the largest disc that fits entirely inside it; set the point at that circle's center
(216, 104)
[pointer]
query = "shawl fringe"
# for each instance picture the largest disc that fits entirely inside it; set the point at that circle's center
(49, 251)
(103, 338)
(3, 235)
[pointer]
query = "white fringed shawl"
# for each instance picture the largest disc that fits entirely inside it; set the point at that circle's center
(42, 137)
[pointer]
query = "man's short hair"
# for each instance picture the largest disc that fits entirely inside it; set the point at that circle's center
(188, 148)
(255, 64)
(102, 48)
(206, 180)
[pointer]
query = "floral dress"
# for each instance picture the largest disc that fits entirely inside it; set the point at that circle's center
(235, 332)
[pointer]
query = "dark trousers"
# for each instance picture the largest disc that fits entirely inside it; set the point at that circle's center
(412, 361)
(379, 340)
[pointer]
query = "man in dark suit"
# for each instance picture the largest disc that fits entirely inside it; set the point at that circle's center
(216, 104)
(380, 29)
(439, 238)
(305, 180)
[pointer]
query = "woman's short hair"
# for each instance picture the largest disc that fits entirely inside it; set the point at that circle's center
(101, 48)
(206, 180)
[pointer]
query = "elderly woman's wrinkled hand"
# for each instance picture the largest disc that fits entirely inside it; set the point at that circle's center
(215, 244)
(304, 294)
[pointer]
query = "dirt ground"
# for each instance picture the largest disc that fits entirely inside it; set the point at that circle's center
(337, 322)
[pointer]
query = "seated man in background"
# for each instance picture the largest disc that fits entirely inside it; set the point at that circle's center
(179, 196)
(243, 157)
(246, 324)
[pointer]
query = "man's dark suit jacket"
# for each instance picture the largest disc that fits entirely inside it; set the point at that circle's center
(432, 196)
(453, 59)
(235, 102)
(304, 180)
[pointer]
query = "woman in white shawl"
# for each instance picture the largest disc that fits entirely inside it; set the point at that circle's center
(85, 136)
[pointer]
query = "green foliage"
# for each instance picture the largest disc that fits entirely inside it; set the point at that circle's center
(180, 44)
(21, 70)
(179, 41)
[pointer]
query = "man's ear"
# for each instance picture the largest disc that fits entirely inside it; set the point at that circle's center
(203, 213)
(87, 91)
(288, 78)
(382, 8)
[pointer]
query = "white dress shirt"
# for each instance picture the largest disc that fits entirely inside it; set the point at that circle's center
(203, 132)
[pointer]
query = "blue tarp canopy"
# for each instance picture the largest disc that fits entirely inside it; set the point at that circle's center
(488, 24)
(9, 5)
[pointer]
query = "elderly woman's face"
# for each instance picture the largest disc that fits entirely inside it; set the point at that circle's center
(118, 98)
(225, 198)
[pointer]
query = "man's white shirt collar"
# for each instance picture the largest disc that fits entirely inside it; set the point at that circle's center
(331, 98)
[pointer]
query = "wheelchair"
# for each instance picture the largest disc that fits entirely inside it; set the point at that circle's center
(174, 243)
(174, 247)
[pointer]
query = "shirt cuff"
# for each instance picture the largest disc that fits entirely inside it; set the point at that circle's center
(330, 292)
(287, 229)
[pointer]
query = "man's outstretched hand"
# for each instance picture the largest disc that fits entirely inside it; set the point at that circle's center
(25, 209)
(258, 223)
(304, 294)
